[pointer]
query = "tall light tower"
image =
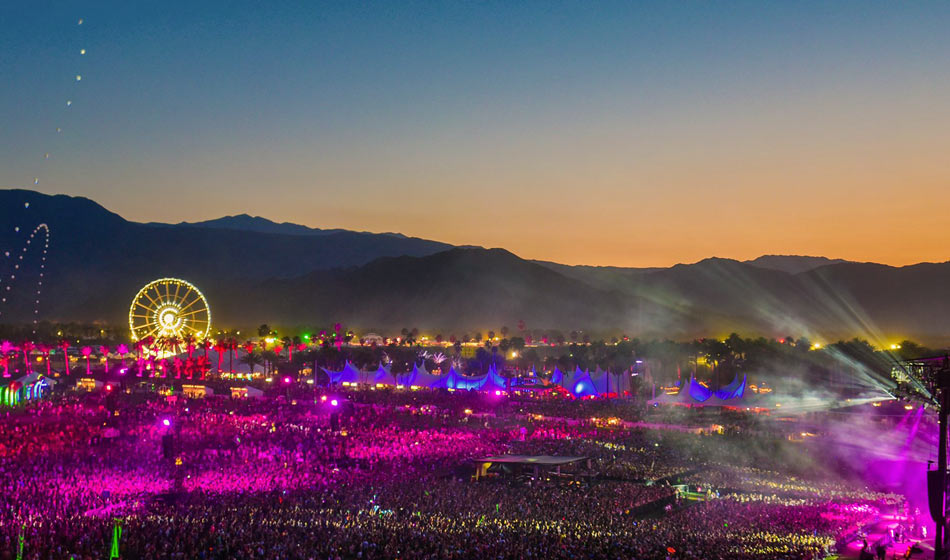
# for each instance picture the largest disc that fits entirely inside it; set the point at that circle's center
(928, 380)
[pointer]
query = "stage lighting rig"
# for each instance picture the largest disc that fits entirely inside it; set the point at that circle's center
(927, 380)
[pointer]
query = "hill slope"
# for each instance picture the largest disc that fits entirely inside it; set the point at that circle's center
(255, 271)
(98, 260)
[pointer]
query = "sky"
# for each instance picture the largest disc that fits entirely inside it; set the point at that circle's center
(625, 134)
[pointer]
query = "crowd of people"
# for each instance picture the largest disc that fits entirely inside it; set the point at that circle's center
(390, 476)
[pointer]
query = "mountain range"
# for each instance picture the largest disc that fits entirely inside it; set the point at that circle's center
(253, 271)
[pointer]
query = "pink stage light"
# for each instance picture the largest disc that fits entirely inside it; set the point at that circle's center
(335, 402)
(166, 422)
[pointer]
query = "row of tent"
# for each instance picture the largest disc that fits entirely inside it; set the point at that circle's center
(696, 393)
(578, 383)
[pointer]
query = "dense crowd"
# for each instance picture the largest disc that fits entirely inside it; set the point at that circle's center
(279, 479)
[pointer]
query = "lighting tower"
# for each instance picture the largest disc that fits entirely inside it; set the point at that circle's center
(927, 380)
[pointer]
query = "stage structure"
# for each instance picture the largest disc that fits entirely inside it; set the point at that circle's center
(927, 380)
(169, 310)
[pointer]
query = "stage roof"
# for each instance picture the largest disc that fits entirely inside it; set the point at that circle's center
(551, 460)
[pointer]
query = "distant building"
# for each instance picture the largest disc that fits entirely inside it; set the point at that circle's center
(373, 338)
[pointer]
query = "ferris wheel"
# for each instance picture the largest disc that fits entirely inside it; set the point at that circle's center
(171, 309)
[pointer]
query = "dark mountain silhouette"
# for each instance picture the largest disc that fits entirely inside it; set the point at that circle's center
(792, 263)
(300, 276)
(245, 222)
(451, 289)
(97, 259)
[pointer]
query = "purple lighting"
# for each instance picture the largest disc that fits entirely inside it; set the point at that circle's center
(166, 422)
(335, 402)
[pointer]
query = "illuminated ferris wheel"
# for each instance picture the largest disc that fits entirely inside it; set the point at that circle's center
(170, 309)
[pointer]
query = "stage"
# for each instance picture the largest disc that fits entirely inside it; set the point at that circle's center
(881, 530)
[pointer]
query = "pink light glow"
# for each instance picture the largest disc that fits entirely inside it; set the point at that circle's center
(166, 422)
(335, 402)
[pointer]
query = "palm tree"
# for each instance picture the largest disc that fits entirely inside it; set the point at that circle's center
(232, 346)
(277, 350)
(64, 345)
(104, 350)
(171, 344)
(252, 359)
(190, 341)
(87, 351)
(6, 347)
(122, 350)
(220, 346)
(45, 349)
(27, 348)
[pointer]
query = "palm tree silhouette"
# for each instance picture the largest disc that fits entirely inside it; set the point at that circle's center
(251, 359)
(27, 347)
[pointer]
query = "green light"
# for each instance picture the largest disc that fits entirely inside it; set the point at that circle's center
(116, 535)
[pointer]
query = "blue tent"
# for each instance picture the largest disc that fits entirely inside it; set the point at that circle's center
(493, 381)
(422, 378)
(603, 383)
(349, 374)
(383, 376)
(582, 385)
(734, 390)
(698, 392)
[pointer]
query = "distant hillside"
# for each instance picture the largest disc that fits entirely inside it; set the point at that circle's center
(98, 260)
(253, 271)
(792, 263)
(245, 222)
(447, 290)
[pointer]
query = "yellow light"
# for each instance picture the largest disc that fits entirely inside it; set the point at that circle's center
(895, 346)
(323, 398)
(269, 380)
(816, 346)
(269, 340)
(468, 411)
(908, 407)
